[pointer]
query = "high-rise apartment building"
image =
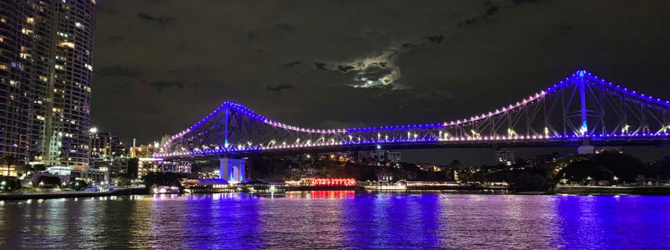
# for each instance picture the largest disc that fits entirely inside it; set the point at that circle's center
(46, 52)
(106, 146)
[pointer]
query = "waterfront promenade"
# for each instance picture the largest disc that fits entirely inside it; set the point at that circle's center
(70, 194)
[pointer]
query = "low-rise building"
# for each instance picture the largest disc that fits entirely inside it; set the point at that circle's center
(429, 167)
(67, 174)
(377, 156)
(94, 176)
(338, 156)
(7, 170)
(148, 165)
(106, 146)
(505, 157)
(145, 151)
(115, 166)
(430, 183)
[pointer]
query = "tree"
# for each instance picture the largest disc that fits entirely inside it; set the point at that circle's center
(23, 169)
(623, 166)
(9, 183)
(48, 181)
(9, 160)
(155, 179)
(581, 171)
(133, 166)
(39, 167)
(525, 181)
(77, 185)
(125, 179)
(455, 163)
(665, 166)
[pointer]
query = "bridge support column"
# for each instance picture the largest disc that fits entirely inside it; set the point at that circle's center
(231, 169)
(586, 149)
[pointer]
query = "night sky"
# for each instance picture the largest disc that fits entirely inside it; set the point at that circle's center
(162, 65)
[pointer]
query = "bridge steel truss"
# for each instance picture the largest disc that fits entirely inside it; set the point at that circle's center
(581, 108)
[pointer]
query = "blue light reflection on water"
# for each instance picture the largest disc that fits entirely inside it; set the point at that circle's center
(599, 222)
(336, 220)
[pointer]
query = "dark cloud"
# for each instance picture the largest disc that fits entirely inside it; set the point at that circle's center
(284, 27)
(160, 85)
(114, 38)
(344, 68)
(291, 64)
(117, 71)
(435, 39)
(160, 20)
(279, 87)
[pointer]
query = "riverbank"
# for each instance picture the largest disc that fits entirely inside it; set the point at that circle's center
(595, 190)
(71, 194)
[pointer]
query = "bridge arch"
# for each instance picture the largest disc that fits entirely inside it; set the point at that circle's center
(581, 108)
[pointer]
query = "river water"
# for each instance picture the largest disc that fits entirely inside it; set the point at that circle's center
(338, 220)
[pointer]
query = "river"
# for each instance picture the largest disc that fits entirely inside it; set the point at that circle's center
(337, 220)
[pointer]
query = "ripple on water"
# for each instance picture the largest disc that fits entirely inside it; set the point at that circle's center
(337, 220)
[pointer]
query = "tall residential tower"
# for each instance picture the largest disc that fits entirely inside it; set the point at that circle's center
(46, 52)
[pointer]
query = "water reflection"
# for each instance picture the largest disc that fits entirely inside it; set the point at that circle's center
(322, 194)
(337, 219)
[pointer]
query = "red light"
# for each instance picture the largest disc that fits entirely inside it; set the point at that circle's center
(332, 182)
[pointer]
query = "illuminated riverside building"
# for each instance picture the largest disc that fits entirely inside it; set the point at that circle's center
(505, 157)
(106, 146)
(46, 51)
(378, 155)
(144, 151)
(158, 165)
(328, 182)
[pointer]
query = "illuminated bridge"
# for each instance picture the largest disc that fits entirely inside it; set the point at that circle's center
(582, 111)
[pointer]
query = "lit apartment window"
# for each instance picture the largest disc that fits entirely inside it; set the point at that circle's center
(67, 44)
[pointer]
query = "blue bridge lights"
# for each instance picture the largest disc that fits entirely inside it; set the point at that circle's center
(571, 111)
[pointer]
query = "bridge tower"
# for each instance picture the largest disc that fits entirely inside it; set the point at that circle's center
(585, 148)
(232, 169)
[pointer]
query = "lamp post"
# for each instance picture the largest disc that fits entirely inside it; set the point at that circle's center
(616, 180)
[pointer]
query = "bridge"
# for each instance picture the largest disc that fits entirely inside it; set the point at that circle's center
(581, 111)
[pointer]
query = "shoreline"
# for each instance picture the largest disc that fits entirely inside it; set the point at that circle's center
(563, 190)
(57, 195)
(604, 190)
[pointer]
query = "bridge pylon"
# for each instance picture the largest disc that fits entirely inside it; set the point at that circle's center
(232, 169)
(586, 148)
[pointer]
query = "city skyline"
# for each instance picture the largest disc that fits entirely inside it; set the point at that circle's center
(377, 124)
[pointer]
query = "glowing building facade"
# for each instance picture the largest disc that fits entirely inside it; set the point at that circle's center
(46, 52)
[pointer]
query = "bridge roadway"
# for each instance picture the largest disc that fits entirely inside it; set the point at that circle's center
(658, 141)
